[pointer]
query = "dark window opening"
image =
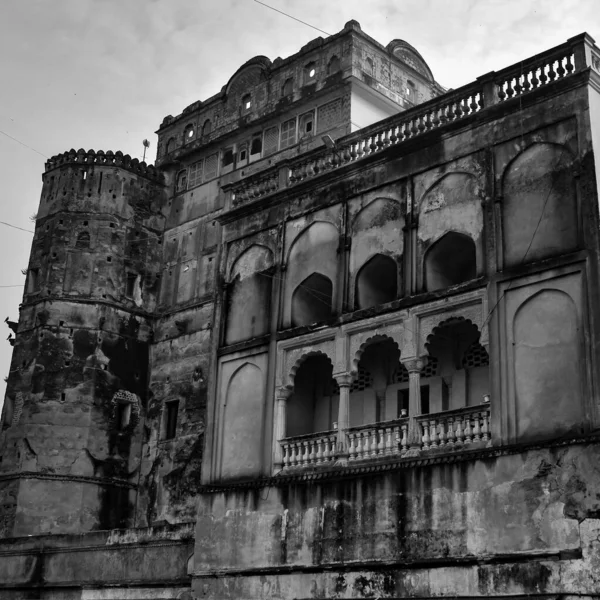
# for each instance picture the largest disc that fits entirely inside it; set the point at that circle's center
(130, 285)
(312, 300)
(307, 123)
(424, 399)
(172, 410)
(228, 157)
(256, 146)
(246, 103)
(403, 403)
(170, 145)
(243, 153)
(376, 282)
(450, 261)
(207, 127)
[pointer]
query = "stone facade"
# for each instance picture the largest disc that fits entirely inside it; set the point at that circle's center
(339, 342)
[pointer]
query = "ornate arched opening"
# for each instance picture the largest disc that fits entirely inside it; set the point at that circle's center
(313, 404)
(457, 373)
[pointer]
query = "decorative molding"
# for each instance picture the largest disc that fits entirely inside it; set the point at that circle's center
(77, 478)
(395, 464)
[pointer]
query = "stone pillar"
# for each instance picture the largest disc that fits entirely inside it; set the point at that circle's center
(344, 380)
(414, 367)
(281, 397)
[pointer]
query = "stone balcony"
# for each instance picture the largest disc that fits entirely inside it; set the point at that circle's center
(442, 432)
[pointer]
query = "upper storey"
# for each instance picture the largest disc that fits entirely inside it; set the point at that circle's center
(331, 86)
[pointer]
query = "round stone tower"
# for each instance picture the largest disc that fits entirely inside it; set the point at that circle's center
(71, 430)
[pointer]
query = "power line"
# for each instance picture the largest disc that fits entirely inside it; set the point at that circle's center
(16, 285)
(290, 16)
(22, 143)
(16, 227)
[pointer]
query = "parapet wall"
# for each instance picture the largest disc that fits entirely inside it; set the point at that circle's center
(108, 158)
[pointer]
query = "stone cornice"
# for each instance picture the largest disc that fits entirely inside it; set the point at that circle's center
(383, 465)
(104, 481)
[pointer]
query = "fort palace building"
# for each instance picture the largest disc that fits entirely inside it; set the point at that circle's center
(342, 340)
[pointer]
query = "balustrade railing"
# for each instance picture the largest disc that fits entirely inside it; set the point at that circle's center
(379, 439)
(311, 449)
(535, 72)
(514, 81)
(455, 427)
(450, 429)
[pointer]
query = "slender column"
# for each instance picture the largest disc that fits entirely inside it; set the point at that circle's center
(414, 367)
(344, 380)
(281, 397)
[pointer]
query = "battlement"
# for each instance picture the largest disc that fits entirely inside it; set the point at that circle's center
(108, 158)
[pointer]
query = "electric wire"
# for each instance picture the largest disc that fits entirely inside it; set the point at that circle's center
(16, 227)
(290, 16)
(22, 143)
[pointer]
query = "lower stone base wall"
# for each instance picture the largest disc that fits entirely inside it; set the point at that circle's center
(127, 564)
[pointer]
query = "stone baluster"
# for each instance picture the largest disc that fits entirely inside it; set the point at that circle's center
(282, 395)
(485, 428)
(441, 433)
(433, 439)
(477, 427)
(344, 381)
(319, 450)
(404, 437)
(414, 367)
(450, 438)
(459, 431)
(424, 426)
(389, 447)
(352, 446)
(468, 432)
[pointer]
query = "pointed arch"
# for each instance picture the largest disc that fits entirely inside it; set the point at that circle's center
(449, 261)
(312, 300)
(376, 282)
(249, 295)
(242, 423)
(312, 261)
(539, 207)
(547, 362)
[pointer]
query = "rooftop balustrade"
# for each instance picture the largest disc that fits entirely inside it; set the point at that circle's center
(529, 75)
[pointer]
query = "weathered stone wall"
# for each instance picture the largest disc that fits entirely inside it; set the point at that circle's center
(518, 522)
(129, 563)
(80, 367)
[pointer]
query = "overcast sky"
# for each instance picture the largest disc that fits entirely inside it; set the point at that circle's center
(102, 74)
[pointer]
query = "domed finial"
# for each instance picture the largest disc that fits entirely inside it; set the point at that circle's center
(352, 25)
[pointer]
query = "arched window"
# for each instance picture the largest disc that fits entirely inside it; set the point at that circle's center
(256, 145)
(307, 122)
(450, 261)
(246, 104)
(288, 88)
(181, 182)
(83, 240)
(189, 133)
(369, 66)
(458, 368)
(376, 282)
(310, 73)
(170, 145)
(207, 127)
(333, 66)
(411, 90)
(312, 300)
(313, 406)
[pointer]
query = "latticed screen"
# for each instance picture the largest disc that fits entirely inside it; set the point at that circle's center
(401, 375)
(431, 369)
(195, 174)
(475, 356)
(288, 133)
(271, 139)
(363, 381)
(211, 166)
